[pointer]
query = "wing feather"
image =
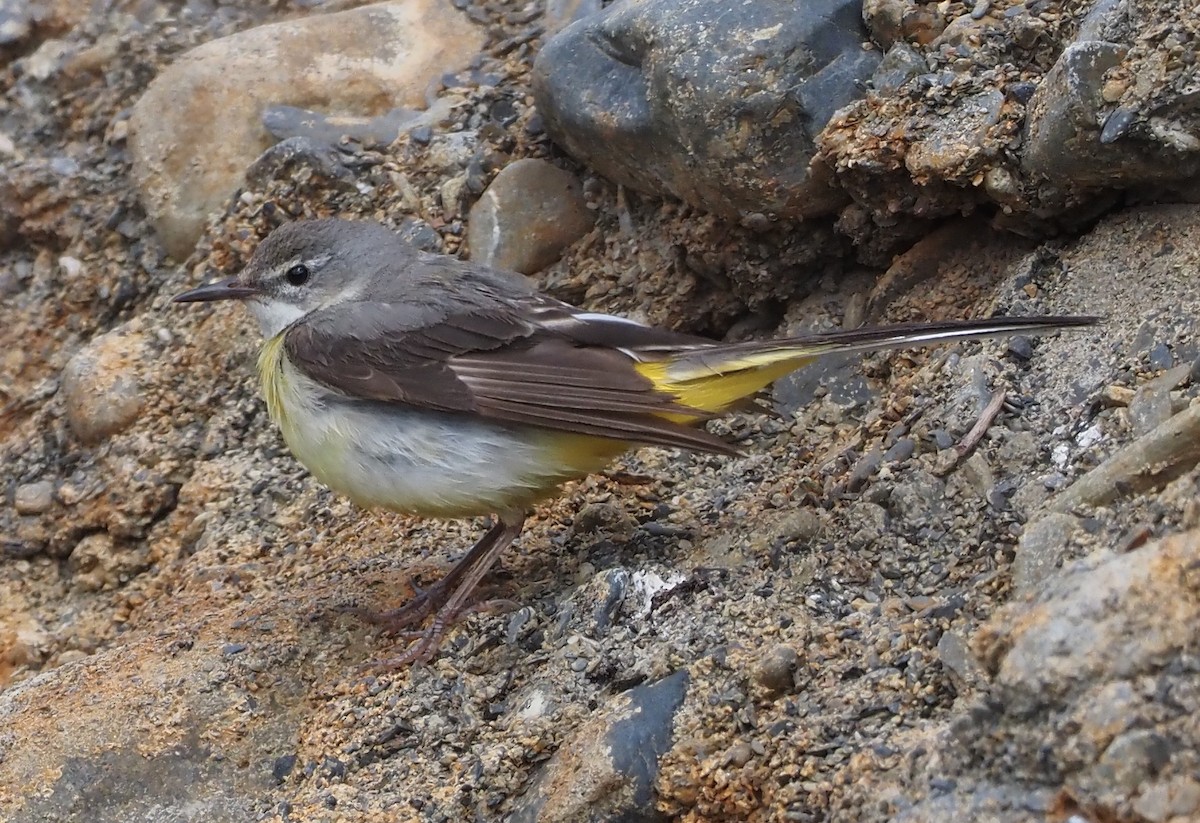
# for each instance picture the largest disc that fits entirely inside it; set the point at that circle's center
(499, 363)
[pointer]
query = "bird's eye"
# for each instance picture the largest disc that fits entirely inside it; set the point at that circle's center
(297, 275)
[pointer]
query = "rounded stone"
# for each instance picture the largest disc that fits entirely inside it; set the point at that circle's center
(101, 391)
(775, 671)
(529, 214)
(34, 498)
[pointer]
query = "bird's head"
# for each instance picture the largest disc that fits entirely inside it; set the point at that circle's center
(299, 268)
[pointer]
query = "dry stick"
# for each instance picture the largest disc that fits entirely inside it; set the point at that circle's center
(1151, 461)
(986, 418)
(950, 462)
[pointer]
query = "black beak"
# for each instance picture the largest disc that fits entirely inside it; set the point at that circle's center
(227, 289)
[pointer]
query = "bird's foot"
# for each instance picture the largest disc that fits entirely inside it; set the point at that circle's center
(447, 600)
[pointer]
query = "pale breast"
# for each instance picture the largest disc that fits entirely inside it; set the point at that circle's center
(420, 462)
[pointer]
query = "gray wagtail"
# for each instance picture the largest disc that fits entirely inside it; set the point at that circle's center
(423, 384)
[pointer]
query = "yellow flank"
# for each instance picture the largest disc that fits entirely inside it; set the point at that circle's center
(583, 454)
(270, 374)
(714, 386)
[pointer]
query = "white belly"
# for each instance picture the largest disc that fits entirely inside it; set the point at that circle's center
(424, 463)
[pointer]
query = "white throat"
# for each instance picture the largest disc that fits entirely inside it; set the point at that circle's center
(273, 315)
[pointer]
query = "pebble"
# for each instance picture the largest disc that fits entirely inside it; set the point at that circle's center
(527, 217)
(775, 671)
(956, 656)
(101, 389)
(900, 451)
(799, 526)
(34, 498)
(1042, 549)
(604, 518)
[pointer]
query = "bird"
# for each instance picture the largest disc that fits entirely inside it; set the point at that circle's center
(428, 385)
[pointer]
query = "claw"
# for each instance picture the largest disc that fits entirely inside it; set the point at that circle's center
(446, 600)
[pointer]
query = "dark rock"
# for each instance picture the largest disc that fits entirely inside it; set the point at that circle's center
(1071, 139)
(901, 64)
(606, 770)
(645, 94)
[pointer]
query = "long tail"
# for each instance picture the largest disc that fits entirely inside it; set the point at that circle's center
(712, 378)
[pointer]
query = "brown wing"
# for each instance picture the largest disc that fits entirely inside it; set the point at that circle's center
(499, 363)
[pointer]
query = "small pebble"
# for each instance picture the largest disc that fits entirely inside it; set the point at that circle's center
(776, 670)
(34, 498)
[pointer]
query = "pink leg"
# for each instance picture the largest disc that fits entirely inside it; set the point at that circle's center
(447, 599)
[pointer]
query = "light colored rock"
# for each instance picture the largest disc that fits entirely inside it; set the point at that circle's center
(1042, 549)
(530, 213)
(101, 388)
(34, 498)
(199, 124)
(1103, 618)
(97, 562)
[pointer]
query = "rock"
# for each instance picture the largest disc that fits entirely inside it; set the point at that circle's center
(15, 22)
(955, 138)
(607, 767)
(25, 20)
(955, 655)
(97, 563)
(561, 13)
(1089, 127)
(901, 63)
(99, 753)
(209, 103)
(34, 498)
(1103, 21)
(1099, 619)
(893, 21)
(981, 803)
(1042, 549)
(1178, 798)
(644, 94)
(530, 213)
(1151, 404)
(775, 671)
(1062, 132)
(101, 385)
(917, 501)
(604, 518)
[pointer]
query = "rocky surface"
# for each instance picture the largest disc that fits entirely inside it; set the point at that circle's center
(650, 95)
(865, 618)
